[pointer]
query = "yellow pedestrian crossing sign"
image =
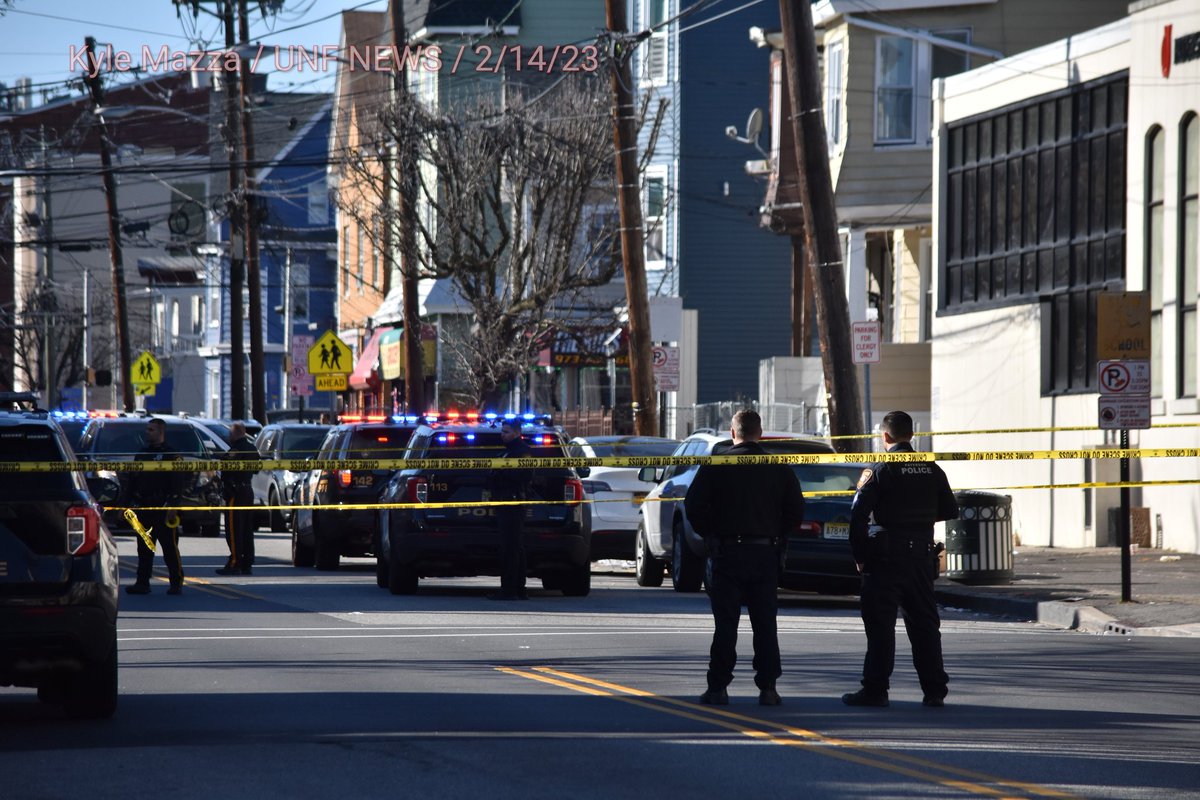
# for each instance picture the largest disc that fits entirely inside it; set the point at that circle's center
(146, 370)
(329, 355)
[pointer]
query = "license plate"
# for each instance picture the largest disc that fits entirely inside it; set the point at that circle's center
(836, 530)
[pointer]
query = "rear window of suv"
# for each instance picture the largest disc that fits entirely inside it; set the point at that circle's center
(127, 439)
(33, 443)
(301, 443)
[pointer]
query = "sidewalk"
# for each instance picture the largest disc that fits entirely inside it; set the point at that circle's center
(1081, 589)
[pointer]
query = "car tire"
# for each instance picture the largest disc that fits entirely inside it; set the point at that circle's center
(577, 582)
(275, 515)
(302, 554)
(687, 569)
(402, 579)
(92, 694)
(381, 572)
(649, 570)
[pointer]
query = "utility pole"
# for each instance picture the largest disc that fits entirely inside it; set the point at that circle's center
(258, 397)
(51, 378)
(629, 198)
(92, 80)
(406, 171)
(237, 275)
(820, 224)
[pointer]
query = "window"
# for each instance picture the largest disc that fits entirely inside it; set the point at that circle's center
(318, 203)
(895, 74)
(1189, 221)
(654, 13)
(197, 315)
(655, 221)
(299, 290)
(376, 280)
(833, 93)
(1035, 212)
(361, 257)
(1153, 269)
(947, 61)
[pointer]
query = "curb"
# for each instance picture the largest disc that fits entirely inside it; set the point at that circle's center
(1068, 616)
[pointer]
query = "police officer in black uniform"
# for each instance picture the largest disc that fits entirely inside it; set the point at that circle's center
(157, 489)
(511, 484)
(891, 535)
(239, 496)
(744, 513)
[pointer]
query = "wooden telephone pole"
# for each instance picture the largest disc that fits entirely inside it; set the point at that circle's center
(237, 250)
(405, 165)
(629, 198)
(258, 372)
(820, 225)
(92, 80)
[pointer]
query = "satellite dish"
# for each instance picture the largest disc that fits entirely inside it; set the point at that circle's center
(754, 125)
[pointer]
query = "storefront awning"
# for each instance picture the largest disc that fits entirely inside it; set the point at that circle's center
(364, 375)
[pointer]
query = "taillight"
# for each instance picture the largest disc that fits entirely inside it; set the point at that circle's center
(809, 530)
(418, 490)
(573, 490)
(344, 477)
(83, 530)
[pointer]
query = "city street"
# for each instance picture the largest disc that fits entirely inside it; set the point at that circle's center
(300, 684)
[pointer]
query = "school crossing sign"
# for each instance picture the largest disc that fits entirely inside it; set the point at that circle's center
(329, 362)
(146, 374)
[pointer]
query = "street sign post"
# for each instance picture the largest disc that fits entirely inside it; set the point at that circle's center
(299, 380)
(865, 339)
(666, 367)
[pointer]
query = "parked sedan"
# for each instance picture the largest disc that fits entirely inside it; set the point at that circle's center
(818, 552)
(616, 492)
(276, 487)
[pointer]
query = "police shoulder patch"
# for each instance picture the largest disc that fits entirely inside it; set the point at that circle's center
(866, 476)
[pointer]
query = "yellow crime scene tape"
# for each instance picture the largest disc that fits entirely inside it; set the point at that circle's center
(369, 464)
(986, 431)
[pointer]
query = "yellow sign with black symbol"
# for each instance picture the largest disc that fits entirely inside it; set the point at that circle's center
(329, 355)
(331, 383)
(146, 370)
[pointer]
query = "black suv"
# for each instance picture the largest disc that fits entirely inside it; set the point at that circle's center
(419, 541)
(58, 574)
(339, 528)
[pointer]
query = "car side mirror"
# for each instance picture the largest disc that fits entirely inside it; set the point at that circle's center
(583, 472)
(649, 475)
(104, 490)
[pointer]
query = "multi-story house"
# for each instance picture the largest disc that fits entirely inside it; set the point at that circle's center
(1060, 173)
(703, 244)
(880, 59)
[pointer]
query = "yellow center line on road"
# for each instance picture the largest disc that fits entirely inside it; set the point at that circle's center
(918, 769)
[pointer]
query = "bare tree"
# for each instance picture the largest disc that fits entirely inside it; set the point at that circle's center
(513, 193)
(44, 313)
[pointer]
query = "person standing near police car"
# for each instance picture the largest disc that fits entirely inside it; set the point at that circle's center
(891, 536)
(239, 497)
(156, 489)
(744, 513)
(511, 484)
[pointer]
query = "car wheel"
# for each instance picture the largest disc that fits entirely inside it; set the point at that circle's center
(302, 554)
(402, 579)
(649, 569)
(275, 515)
(577, 582)
(92, 694)
(327, 554)
(687, 569)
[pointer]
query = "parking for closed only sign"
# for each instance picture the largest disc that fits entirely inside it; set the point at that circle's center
(864, 342)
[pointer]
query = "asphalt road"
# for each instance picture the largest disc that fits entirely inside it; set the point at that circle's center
(299, 684)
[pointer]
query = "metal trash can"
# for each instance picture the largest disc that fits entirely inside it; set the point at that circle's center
(979, 544)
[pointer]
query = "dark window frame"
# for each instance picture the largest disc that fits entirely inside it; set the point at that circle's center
(1186, 209)
(1033, 239)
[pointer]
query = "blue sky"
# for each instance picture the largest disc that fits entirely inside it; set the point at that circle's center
(36, 35)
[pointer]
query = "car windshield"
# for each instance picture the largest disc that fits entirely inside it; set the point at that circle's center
(379, 442)
(302, 442)
(31, 443)
(127, 439)
(827, 477)
(633, 447)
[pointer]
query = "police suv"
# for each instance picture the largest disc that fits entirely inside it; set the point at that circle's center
(420, 538)
(58, 573)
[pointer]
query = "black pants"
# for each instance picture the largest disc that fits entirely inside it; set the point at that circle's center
(744, 575)
(239, 529)
(156, 523)
(901, 582)
(511, 522)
